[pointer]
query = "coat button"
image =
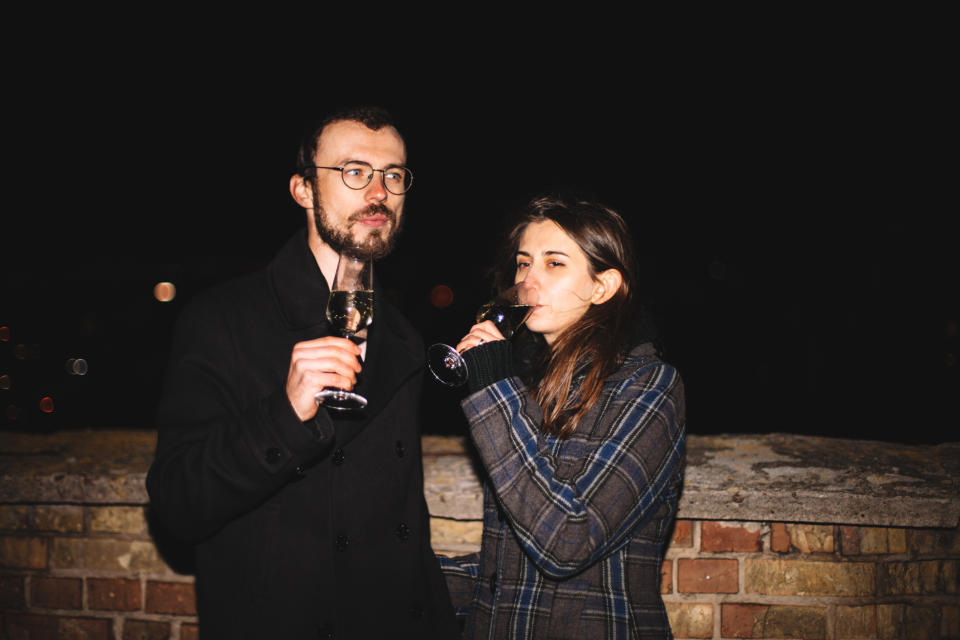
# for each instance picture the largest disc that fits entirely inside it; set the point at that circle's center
(493, 582)
(273, 455)
(299, 473)
(342, 542)
(403, 531)
(338, 457)
(400, 449)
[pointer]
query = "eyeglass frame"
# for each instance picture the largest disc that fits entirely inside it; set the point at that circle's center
(383, 175)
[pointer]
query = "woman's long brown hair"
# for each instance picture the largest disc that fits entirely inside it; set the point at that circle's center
(593, 345)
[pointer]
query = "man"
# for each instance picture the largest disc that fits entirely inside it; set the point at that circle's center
(307, 522)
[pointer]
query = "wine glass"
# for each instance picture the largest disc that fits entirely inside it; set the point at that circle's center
(508, 311)
(349, 310)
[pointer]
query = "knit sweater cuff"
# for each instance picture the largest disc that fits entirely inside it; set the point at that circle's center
(488, 363)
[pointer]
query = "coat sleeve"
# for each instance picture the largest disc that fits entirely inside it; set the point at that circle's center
(220, 454)
(565, 524)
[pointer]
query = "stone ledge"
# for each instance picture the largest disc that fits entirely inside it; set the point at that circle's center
(774, 477)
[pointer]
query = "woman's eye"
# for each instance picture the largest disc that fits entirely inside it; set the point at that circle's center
(522, 265)
(554, 263)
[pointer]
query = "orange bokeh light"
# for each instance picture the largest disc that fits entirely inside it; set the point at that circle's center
(441, 296)
(164, 291)
(4, 333)
(46, 404)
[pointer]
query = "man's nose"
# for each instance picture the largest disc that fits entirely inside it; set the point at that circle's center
(377, 190)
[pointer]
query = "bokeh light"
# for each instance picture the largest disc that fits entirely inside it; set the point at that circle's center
(4, 333)
(76, 367)
(5, 382)
(20, 352)
(441, 296)
(46, 404)
(164, 291)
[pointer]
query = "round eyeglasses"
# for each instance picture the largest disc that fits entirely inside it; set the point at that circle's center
(357, 175)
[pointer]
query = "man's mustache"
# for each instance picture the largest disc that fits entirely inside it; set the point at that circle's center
(372, 210)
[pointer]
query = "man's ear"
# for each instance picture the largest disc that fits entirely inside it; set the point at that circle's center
(301, 191)
(607, 284)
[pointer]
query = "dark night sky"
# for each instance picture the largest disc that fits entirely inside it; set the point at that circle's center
(791, 237)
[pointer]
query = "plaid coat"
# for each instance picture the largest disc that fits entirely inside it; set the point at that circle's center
(574, 530)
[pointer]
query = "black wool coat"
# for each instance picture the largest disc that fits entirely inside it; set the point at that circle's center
(301, 529)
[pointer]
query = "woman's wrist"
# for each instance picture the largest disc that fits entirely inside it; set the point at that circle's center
(488, 363)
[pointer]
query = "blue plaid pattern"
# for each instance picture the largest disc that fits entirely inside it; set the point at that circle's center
(574, 530)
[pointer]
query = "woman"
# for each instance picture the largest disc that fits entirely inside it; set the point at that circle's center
(581, 430)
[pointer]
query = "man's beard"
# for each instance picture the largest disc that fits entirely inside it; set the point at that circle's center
(377, 244)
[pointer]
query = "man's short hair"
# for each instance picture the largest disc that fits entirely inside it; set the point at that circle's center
(374, 118)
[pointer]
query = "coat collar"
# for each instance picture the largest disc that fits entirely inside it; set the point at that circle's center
(394, 350)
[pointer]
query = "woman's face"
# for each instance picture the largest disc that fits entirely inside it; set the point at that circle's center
(550, 260)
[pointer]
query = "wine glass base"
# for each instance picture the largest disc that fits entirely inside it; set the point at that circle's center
(340, 400)
(446, 365)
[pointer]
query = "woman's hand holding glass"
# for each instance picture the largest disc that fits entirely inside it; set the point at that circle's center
(480, 333)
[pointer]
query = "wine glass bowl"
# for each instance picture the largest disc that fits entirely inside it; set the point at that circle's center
(508, 311)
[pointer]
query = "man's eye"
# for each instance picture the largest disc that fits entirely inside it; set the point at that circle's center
(395, 176)
(353, 171)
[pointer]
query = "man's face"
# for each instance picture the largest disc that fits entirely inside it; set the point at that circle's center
(368, 217)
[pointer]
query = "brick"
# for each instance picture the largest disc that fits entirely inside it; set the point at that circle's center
(939, 541)
(113, 594)
(682, 534)
(171, 597)
(40, 627)
(23, 553)
(130, 520)
(850, 541)
(14, 517)
(189, 632)
(12, 593)
(796, 577)
(59, 518)
(950, 621)
(897, 540)
(145, 630)
(666, 577)
(922, 622)
(446, 533)
(890, 622)
(772, 621)
(730, 536)
(949, 570)
(701, 575)
(811, 538)
(56, 593)
(107, 555)
(854, 623)
(873, 540)
(690, 620)
(779, 538)
(907, 578)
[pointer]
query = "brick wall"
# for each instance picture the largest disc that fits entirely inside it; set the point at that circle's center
(91, 572)
(77, 559)
(724, 579)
